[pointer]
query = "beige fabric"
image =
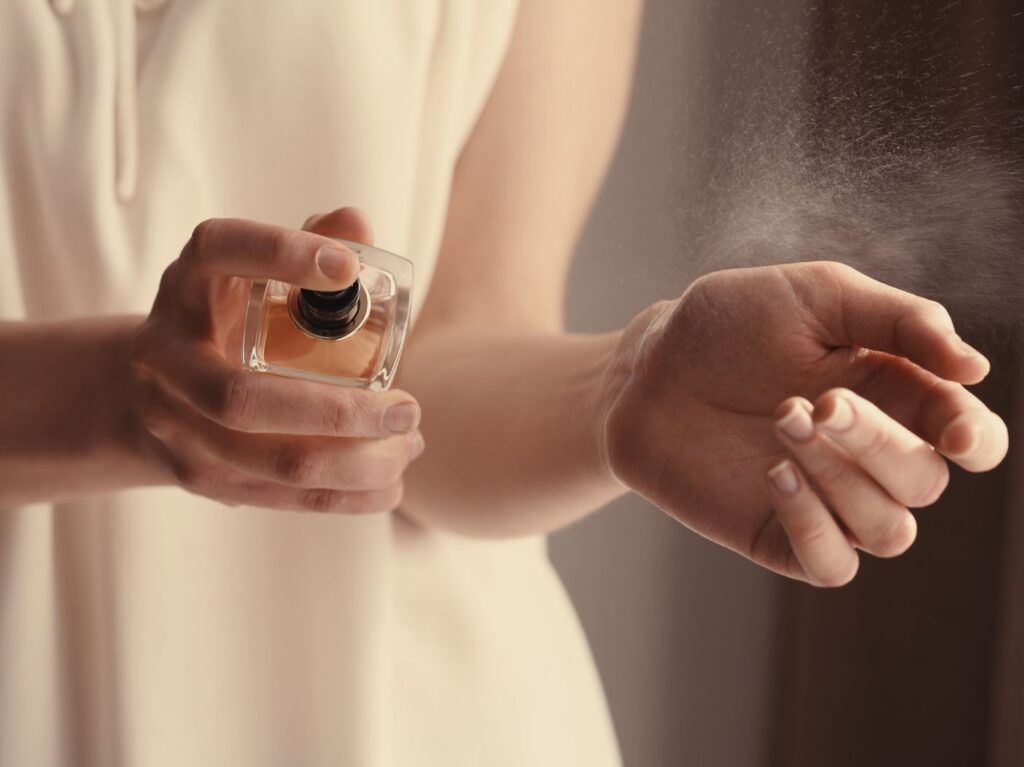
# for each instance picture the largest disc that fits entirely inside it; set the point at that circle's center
(156, 628)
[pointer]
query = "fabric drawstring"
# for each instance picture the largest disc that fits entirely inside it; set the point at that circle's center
(126, 117)
(126, 112)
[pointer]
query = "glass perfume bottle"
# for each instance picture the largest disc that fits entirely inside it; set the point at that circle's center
(349, 337)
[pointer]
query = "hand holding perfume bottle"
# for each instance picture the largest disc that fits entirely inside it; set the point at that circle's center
(349, 337)
(297, 442)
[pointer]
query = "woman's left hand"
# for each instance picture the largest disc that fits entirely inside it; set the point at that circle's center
(795, 413)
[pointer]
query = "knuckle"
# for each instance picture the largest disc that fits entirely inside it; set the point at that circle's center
(694, 299)
(298, 466)
(940, 391)
(700, 284)
(170, 281)
(809, 533)
(830, 471)
(935, 310)
(199, 242)
(820, 273)
(342, 414)
(320, 500)
(235, 401)
(929, 311)
(834, 269)
(876, 443)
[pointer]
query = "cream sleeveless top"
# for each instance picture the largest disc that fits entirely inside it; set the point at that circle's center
(152, 627)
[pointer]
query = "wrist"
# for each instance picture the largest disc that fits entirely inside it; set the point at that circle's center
(115, 424)
(67, 425)
(626, 392)
(615, 364)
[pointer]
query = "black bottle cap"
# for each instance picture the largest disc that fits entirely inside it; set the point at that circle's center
(328, 313)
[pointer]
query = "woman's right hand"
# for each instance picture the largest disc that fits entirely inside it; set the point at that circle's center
(242, 437)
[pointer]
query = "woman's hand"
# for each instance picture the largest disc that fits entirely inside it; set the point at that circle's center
(249, 438)
(794, 413)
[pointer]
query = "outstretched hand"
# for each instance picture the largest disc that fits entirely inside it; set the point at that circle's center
(795, 413)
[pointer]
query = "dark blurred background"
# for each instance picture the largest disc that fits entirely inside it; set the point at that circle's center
(887, 135)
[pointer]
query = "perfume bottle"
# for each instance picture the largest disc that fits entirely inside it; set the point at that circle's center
(349, 337)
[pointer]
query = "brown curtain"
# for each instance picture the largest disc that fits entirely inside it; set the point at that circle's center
(921, 660)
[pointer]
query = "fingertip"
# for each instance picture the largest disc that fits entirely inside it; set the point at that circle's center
(968, 365)
(417, 447)
(402, 417)
(311, 222)
(348, 223)
(976, 441)
(358, 222)
(900, 539)
(783, 478)
(338, 265)
(976, 368)
(960, 437)
(787, 405)
(835, 409)
(840, 576)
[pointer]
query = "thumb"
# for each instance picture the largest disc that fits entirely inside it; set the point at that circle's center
(343, 223)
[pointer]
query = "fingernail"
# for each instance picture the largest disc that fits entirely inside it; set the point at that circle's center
(797, 424)
(334, 263)
(841, 418)
(968, 444)
(401, 418)
(974, 439)
(418, 446)
(783, 477)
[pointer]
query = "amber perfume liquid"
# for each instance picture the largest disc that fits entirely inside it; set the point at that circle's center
(350, 338)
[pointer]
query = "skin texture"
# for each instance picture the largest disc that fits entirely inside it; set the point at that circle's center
(174, 406)
(244, 438)
(706, 417)
(528, 427)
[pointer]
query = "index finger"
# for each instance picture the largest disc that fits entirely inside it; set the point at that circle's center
(242, 248)
(877, 316)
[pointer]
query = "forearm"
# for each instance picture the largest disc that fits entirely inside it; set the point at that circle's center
(66, 427)
(513, 425)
